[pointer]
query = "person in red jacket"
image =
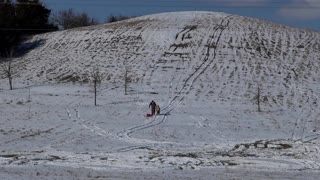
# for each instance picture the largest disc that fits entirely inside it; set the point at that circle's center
(153, 107)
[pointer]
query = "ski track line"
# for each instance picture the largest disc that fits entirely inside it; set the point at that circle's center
(136, 128)
(311, 138)
(305, 123)
(125, 137)
(221, 138)
(122, 135)
(204, 63)
(302, 121)
(205, 60)
(131, 148)
(312, 165)
(179, 38)
(131, 129)
(127, 132)
(81, 122)
(299, 119)
(148, 126)
(296, 125)
(180, 35)
(103, 132)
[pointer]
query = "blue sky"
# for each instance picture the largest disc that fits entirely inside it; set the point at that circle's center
(299, 13)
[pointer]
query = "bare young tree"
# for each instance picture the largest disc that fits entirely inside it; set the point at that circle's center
(6, 67)
(96, 78)
(258, 97)
(257, 80)
(125, 80)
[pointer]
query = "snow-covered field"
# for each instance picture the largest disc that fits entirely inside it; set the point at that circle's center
(202, 68)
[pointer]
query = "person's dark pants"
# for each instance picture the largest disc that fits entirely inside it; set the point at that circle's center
(153, 110)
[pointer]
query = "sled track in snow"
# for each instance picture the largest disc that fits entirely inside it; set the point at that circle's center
(123, 135)
(131, 148)
(150, 124)
(133, 129)
(206, 62)
(300, 125)
(91, 127)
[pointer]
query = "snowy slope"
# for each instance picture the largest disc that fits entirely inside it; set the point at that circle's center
(203, 68)
(236, 53)
(211, 56)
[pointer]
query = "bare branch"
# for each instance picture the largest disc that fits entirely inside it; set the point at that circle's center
(67, 19)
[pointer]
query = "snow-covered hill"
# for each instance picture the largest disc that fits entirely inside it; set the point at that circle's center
(210, 55)
(203, 68)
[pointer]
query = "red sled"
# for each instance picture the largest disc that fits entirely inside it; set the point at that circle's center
(148, 115)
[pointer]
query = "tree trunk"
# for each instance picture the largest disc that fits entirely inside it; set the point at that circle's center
(95, 92)
(125, 81)
(258, 99)
(10, 82)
